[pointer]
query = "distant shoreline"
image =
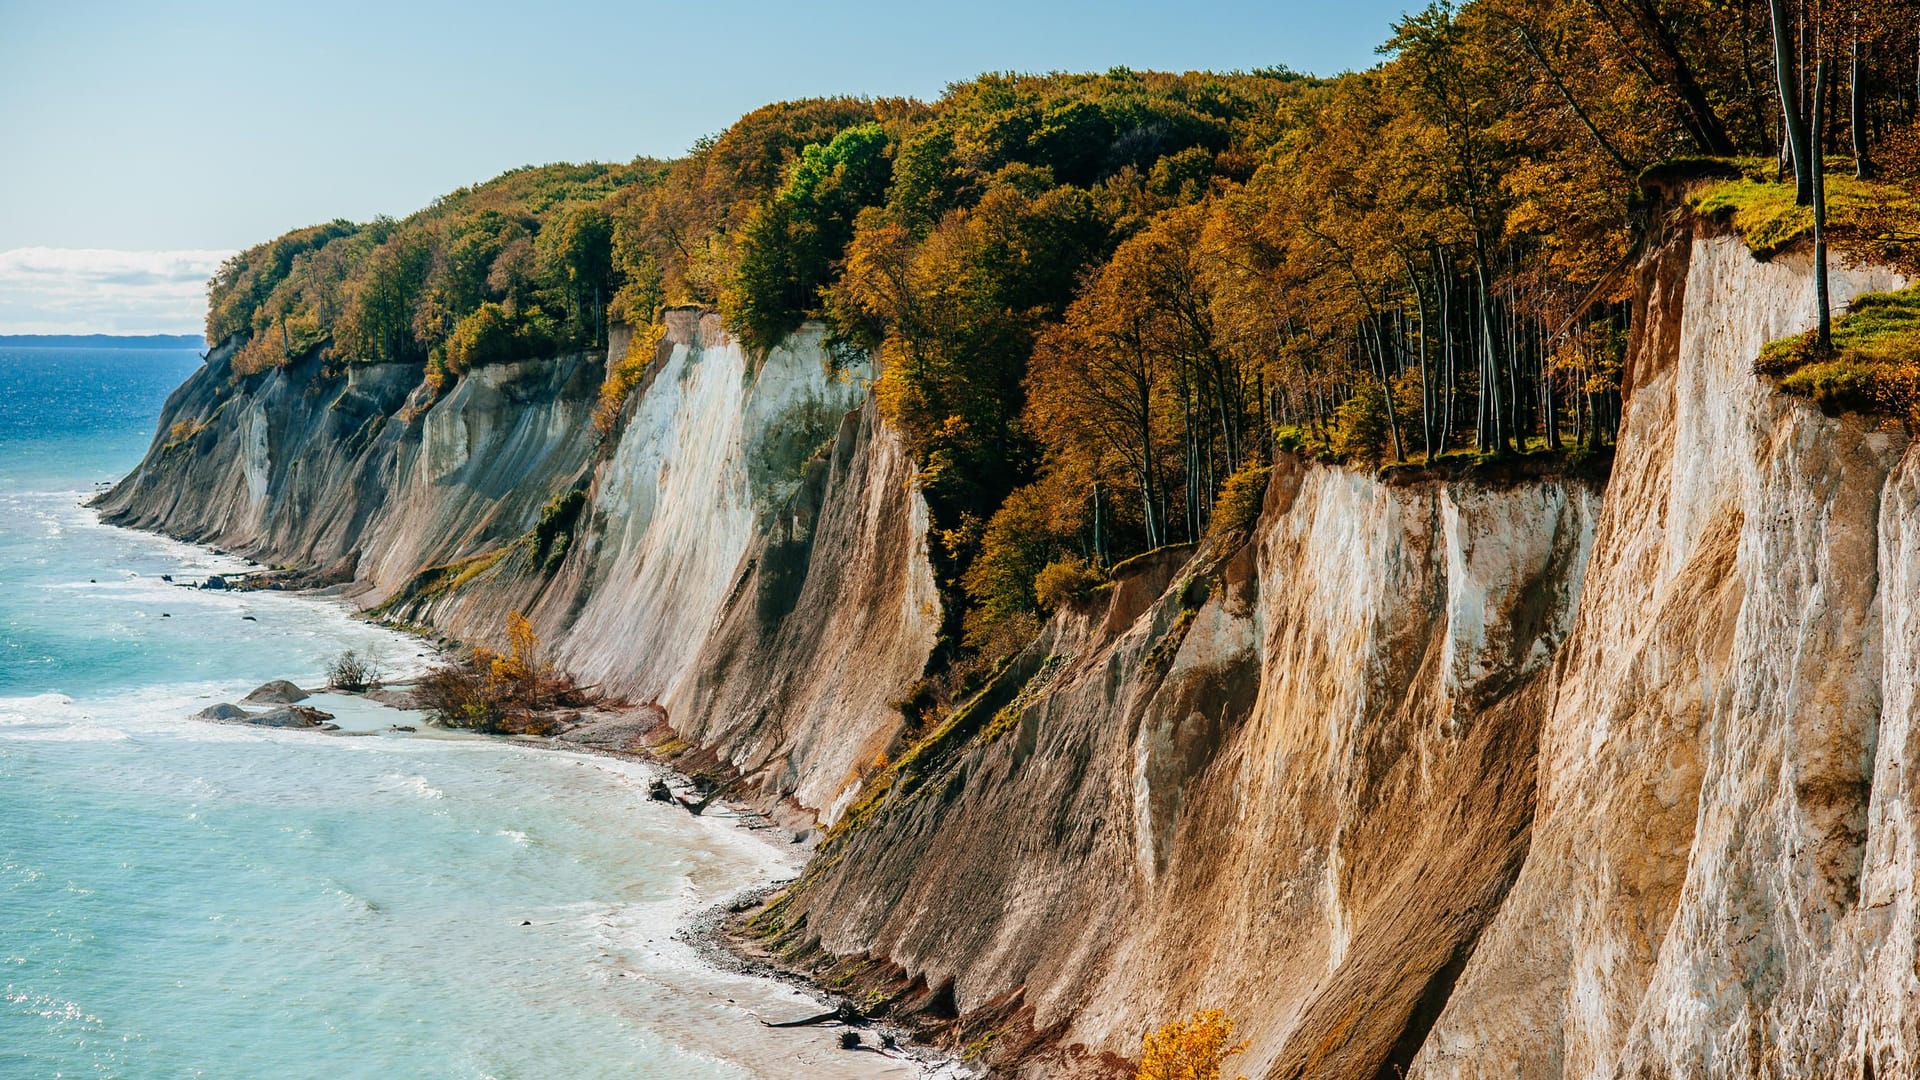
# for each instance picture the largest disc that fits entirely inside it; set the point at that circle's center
(103, 341)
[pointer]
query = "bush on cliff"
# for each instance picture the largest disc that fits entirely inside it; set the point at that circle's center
(1065, 581)
(625, 373)
(494, 334)
(1196, 1048)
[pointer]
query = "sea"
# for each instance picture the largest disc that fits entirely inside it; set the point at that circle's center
(181, 898)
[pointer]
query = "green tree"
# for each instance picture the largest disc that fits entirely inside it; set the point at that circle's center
(791, 244)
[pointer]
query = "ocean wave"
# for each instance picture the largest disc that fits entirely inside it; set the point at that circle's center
(419, 785)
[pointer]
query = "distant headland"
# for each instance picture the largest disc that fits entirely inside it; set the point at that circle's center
(103, 341)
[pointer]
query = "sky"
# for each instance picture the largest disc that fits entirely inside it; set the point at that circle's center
(141, 143)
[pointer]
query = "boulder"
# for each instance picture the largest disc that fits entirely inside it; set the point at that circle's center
(277, 692)
(215, 582)
(291, 716)
(225, 711)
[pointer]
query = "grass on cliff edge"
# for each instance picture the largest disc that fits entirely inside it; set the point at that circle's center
(1875, 364)
(1762, 210)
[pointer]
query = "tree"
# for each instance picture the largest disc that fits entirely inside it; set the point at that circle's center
(1823, 334)
(792, 243)
(1786, 74)
(377, 324)
(574, 260)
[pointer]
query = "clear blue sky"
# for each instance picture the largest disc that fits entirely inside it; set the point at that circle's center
(207, 126)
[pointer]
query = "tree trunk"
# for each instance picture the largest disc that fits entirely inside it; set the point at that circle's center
(1386, 394)
(1857, 112)
(1446, 347)
(1823, 336)
(1710, 133)
(1426, 390)
(1790, 103)
(1540, 57)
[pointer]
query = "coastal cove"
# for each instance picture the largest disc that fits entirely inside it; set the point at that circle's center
(180, 898)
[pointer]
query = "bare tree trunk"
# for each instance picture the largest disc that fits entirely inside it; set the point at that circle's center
(1426, 390)
(1790, 103)
(1857, 113)
(1386, 388)
(1823, 337)
(1446, 347)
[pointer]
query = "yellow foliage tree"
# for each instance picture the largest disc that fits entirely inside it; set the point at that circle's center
(625, 373)
(1192, 1049)
(523, 644)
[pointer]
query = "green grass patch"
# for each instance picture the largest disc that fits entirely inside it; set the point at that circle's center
(1763, 212)
(1874, 365)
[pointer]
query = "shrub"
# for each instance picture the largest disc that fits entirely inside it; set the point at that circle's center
(1362, 419)
(553, 533)
(497, 692)
(182, 432)
(1065, 581)
(496, 334)
(1241, 498)
(625, 374)
(352, 672)
(1193, 1049)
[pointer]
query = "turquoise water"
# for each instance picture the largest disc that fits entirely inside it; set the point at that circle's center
(182, 899)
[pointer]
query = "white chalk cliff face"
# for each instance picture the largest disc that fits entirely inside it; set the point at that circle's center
(1721, 880)
(750, 554)
(1439, 777)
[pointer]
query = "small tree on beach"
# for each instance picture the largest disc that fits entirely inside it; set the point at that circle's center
(353, 672)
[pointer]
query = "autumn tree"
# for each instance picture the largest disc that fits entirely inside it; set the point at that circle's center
(1196, 1048)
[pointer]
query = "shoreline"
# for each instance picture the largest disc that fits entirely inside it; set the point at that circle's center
(628, 734)
(704, 928)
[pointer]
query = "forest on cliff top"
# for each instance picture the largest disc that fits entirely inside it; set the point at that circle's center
(1100, 303)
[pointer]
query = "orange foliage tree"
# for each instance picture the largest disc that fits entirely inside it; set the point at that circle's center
(1196, 1048)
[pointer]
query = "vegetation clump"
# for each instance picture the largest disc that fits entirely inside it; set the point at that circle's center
(1065, 581)
(1872, 367)
(1241, 498)
(354, 672)
(512, 692)
(625, 373)
(553, 533)
(1196, 1048)
(1765, 214)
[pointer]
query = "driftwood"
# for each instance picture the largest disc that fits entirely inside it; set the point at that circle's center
(844, 1013)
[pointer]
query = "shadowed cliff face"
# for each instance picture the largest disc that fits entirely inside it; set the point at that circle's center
(1442, 778)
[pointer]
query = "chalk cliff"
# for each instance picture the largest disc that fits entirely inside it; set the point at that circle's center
(1446, 775)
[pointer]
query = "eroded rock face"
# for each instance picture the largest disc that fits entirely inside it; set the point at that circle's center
(1721, 881)
(1448, 781)
(749, 553)
(1293, 780)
